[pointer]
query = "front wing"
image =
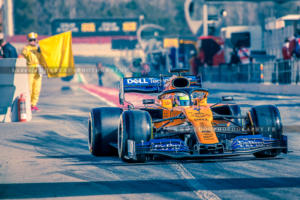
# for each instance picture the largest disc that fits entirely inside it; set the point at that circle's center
(176, 149)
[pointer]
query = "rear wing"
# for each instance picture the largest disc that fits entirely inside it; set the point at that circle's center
(150, 84)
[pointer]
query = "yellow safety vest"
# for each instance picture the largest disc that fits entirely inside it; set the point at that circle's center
(32, 56)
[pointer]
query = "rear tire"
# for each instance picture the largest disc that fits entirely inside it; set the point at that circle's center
(135, 125)
(103, 130)
(266, 122)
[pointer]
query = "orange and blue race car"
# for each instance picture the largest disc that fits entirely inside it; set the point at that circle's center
(176, 121)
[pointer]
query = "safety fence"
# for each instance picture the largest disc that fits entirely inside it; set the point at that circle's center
(278, 72)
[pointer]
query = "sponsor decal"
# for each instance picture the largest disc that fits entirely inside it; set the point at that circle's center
(109, 27)
(143, 81)
(197, 109)
(251, 142)
(88, 27)
(96, 27)
(64, 27)
(137, 81)
(129, 26)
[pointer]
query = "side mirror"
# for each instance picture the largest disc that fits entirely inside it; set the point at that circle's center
(227, 98)
(148, 101)
(121, 101)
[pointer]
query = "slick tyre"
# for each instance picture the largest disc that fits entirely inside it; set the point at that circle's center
(266, 121)
(103, 130)
(135, 125)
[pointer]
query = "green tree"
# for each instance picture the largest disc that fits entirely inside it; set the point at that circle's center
(24, 17)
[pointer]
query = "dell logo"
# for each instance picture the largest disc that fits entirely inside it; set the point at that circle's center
(140, 80)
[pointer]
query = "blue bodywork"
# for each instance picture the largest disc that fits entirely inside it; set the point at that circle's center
(163, 145)
(250, 142)
(238, 144)
(153, 84)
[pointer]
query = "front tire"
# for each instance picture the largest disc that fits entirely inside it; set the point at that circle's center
(135, 125)
(266, 121)
(103, 130)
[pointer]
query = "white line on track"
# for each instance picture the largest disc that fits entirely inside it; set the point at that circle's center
(82, 78)
(192, 182)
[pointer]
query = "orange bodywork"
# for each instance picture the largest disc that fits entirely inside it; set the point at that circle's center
(199, 115)
(201, 119)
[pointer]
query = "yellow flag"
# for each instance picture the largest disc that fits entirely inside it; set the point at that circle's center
(57, 55)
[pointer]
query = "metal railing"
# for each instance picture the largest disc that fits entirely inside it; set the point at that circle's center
(277, 72)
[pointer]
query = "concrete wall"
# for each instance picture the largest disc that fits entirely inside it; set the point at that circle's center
(13, 83)
(101, 50)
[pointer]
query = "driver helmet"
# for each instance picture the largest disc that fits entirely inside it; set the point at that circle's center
(182, 99)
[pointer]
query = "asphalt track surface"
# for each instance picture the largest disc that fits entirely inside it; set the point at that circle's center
(48, 158)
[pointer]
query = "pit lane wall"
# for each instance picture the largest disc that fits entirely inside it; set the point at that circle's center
(280, 77)
(230, 84)
(13, 83)
(255, 87)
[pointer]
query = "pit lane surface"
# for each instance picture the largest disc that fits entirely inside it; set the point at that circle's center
(48, 158)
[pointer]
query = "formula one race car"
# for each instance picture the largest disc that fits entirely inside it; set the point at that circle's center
(178, 123)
